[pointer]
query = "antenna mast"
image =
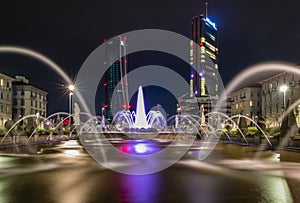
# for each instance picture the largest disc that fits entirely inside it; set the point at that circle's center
(206, 8)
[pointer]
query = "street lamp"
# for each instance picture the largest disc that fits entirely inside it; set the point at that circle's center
(102, 110)
(283, 89)
(71, 90)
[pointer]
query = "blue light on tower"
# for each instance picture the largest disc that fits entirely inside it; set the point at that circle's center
(211, 23)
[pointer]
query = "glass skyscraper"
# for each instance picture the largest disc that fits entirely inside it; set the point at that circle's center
(204, 58)
(116, 84)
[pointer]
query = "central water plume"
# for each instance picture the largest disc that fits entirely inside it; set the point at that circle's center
(139, 119)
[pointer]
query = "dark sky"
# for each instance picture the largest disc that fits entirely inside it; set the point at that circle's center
(250, 32)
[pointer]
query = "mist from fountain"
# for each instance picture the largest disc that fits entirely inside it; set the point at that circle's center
(140, 120)
(140, 117)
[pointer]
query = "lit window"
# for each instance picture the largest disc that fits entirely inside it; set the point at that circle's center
(213, 56)
(210, 46)
(211, 36)
(251, 103)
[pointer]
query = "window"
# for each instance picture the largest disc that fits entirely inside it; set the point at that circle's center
(258, 93)
(14, 111)
(258, 103)
(270, 109)
(277, 108)
(22, 92)
(251, 94)
(22, 102)
(22, 111)
(251, 103)
(1, 96)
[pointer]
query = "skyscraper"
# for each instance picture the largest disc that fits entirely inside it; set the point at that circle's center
(204, 84)
(204, 77)
(115, 85)
(204, 59)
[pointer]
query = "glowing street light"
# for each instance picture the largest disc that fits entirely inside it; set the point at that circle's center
(102, 110)
(71, 90)
(283, 89)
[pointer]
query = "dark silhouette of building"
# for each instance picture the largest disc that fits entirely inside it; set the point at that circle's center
(115, 85)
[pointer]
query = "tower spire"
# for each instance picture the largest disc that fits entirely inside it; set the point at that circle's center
(206, 9)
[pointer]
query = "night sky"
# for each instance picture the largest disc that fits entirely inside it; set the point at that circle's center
(250, 32)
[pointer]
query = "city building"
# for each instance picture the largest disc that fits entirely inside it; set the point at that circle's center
(5, 98)
(246, 101)
(276, 92)
(27, 99)
(115, 84)
(204, 83)
(204, 61)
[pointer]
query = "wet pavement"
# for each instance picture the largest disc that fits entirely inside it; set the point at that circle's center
(65, 172)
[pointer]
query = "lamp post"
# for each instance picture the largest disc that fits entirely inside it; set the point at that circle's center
(71, 90)
(102, 110)
(283, 89)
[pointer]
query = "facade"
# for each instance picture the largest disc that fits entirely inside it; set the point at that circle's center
(27, 99)
(274, 100)
(5, 98)
(204, 61)
(247, 102)
(204, 88)
(115, 85)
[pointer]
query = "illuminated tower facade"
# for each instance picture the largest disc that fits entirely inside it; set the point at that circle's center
(115, 84)
(204, 58)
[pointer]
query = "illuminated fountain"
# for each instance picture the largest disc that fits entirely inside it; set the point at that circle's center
(139, 120)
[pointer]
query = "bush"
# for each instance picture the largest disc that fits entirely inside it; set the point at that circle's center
(2, 130)
(21, 127)
(268, 129)
(252, 129)
(41, 130)
(224, 130)
(272, 130)
(233, 131)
